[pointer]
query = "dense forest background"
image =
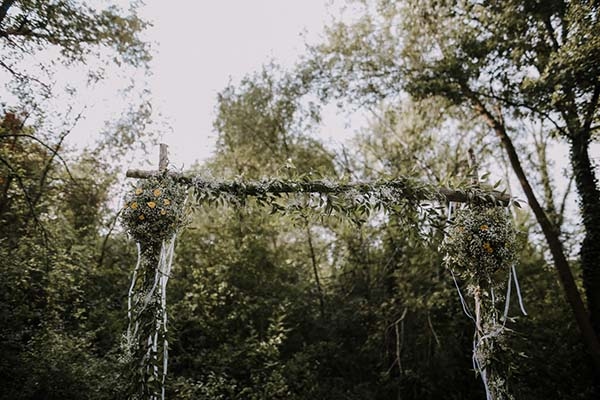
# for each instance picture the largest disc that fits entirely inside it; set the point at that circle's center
(269, 306)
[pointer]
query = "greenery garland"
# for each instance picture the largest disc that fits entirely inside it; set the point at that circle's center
(153, 213)
(481, 251)
(355, 201)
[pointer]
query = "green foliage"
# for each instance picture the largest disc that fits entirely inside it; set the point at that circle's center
(264, 124)
(79, 42)
(233, 300)
(245, 320)
(512, 65)
(62, 365)
(37, 24)
(62, 280)
(248, 319)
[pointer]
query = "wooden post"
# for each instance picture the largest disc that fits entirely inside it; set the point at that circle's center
(474, 167)
(163, 157)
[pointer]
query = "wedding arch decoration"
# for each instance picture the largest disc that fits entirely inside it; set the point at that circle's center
(480, 252)
(153, 214)
(479, 246)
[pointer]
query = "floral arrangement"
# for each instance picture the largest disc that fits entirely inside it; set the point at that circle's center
(153, 213)
(480, 242)
(481, 250)
(153, 210)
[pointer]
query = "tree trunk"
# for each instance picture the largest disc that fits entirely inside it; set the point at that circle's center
(589, 195)
(551, 234)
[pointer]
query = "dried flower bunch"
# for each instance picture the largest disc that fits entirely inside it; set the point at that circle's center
(153, 210)
(480, 242)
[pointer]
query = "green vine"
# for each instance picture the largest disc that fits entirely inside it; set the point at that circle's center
(355, 201)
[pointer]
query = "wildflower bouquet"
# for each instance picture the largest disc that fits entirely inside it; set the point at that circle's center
(153, 211)
(480, 242)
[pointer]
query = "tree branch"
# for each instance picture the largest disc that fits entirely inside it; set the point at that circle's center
(29, 202)
(563, 203)
(21, 77)
(4, 7)
(531, 108)
(313, 260)
(53, 154)
(48, 147)
(551, 33)
(104, 246)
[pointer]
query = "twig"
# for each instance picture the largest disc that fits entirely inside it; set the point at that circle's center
(313, 259)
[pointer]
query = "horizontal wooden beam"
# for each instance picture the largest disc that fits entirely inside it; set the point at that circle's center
(411, 188)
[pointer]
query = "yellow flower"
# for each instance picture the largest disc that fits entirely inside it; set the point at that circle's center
(141, 217)
(157, 192)
(166, 202)
(484, 227)
(138, 191)
(163, 212)
(134, 205)
(151, 204)
(488, 248)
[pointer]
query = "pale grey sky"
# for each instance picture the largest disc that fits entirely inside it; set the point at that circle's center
(201, 45)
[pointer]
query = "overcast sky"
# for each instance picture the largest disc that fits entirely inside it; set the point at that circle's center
(202, 45)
